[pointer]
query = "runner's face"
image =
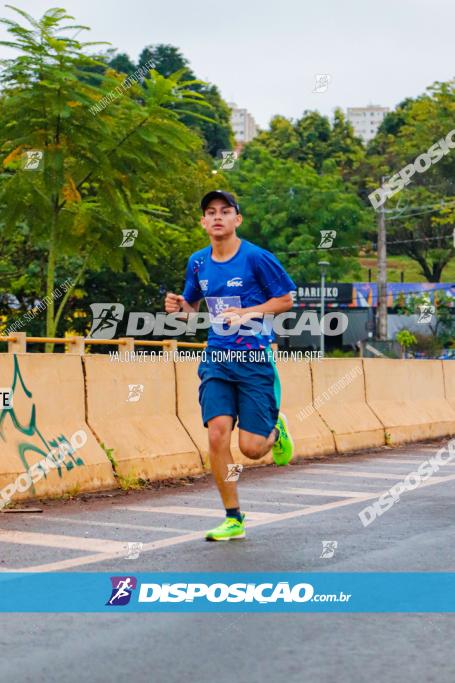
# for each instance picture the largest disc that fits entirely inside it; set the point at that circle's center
(220, 219)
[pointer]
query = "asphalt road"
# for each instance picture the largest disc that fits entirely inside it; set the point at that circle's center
(291, 511)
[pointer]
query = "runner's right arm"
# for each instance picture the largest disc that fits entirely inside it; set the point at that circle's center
(190, 300)
(174, 303)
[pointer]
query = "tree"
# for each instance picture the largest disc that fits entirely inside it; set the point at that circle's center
(281, 140)
(101, 158)
(287, 204)
(166, 59)
(181, 236)
(123, 64)
(421, 217)
(312, 140)
(215, 127)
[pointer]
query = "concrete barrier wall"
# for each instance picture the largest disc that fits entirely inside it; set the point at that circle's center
(448, 369)
(339, 397)
(408, 397)
(312, 436)
(149, 414)
(48, 408)
(131, 407)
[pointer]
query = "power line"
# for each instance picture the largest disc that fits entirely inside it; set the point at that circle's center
(440, 205)
(362, 246)
(404, 216)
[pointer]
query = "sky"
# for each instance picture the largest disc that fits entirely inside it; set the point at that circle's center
(265, 55)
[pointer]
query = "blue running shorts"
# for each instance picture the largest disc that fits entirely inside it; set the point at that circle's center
(242, 384)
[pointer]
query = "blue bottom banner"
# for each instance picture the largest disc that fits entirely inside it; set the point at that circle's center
(228, 592)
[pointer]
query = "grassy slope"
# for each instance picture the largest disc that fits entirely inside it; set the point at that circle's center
(396, 264)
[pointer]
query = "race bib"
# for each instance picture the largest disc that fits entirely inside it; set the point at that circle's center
(218, 304)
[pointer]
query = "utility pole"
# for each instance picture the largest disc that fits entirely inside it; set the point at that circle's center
(382, 274)
(323, 265)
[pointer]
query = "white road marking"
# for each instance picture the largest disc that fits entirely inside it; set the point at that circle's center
(323, 492)
(120, 525)
(249, 501)
(415, 462)
(187, 510)
(176, 540)
(329, 482)
(372, 475)
(101, 557)
(100, 545)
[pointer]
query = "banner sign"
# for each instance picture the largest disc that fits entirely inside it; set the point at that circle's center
(264, 592)
(365, 294)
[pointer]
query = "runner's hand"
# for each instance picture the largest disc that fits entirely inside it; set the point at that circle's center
(173, 303)
(231, 316)
(237, 316)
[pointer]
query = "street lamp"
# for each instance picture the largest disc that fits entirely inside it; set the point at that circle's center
(323, 265)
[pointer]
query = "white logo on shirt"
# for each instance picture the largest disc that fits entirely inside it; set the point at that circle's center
(204, 284)
(235, 282)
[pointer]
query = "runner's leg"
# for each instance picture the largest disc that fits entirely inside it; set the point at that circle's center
(255, 446)
(259, 398)
(220, 430)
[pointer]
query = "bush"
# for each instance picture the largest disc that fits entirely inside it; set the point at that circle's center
(339, 353)
(405, 338)
(429, 345)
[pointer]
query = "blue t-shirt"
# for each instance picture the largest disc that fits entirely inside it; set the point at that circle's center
(251, 277)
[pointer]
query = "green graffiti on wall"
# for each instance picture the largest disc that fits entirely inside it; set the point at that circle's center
(59, 443)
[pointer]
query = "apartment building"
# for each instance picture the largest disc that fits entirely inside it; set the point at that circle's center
(366, 120)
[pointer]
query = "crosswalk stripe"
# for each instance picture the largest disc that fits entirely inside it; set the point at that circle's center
(329, 482)
(186, 510)
(108, 550)
(260, 501)
(176, 540)
(368, 475)
(101, 557)
(64, 542)
(415, 462)
(120, 525)
(322, 492)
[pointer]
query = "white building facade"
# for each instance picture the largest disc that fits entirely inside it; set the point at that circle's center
(366, 120)
(243, 124)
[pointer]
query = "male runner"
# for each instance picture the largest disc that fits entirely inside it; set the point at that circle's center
(237, 279)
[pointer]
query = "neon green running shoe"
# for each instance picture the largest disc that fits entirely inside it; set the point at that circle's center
(283, 448)
(229, 530)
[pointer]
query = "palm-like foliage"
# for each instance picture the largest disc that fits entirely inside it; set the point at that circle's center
(101, 171)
